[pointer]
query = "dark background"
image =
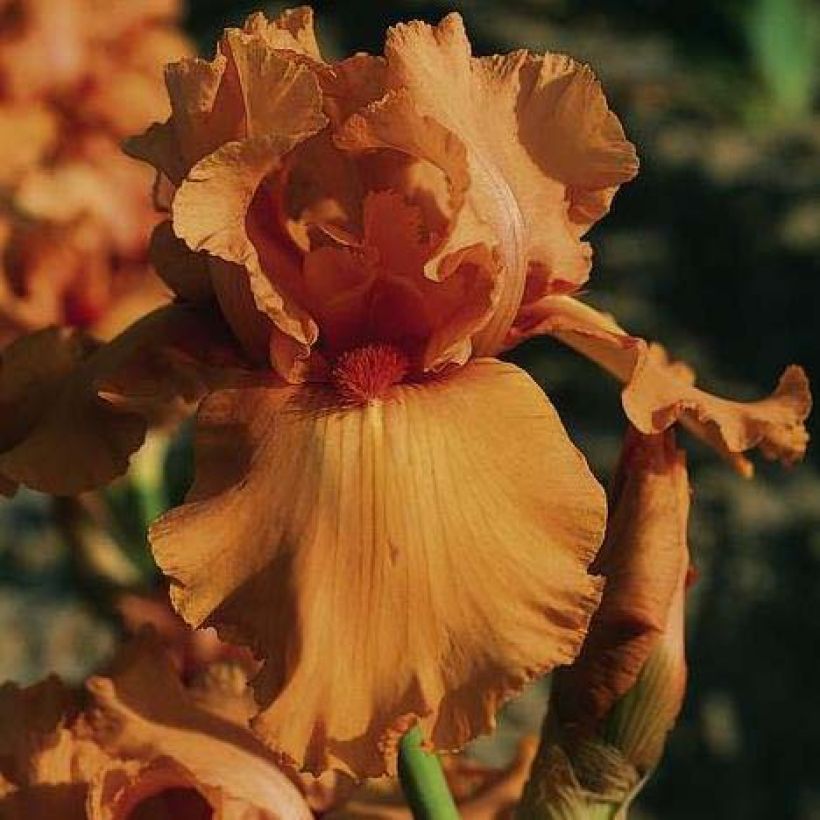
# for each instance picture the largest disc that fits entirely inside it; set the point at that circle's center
(715, 251)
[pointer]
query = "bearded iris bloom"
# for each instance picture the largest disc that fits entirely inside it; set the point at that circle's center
(391, 517)
(142, 746)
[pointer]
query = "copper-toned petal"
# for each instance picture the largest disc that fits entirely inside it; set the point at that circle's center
(211, 213)
(73, 410)
(418, 558)
(394, 122)
(645, 559)
(536, 129)
(658, 392)
(144, 713)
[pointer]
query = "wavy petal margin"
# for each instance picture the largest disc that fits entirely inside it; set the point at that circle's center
(658, 392)
(444, 532)
(539, 140)
(143, 712)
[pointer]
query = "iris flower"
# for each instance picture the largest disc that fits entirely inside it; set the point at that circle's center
(392, 518)
(143, 747)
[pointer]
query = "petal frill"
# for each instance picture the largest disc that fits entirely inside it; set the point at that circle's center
(211, 212)
(249, 89)
(73, 410)
(143, 712)
(394, 123)
(645, 560)
(535, 129)
(658, 392)
(419, 558)
(378, 291)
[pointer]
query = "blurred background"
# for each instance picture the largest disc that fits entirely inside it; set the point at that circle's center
(715, 251)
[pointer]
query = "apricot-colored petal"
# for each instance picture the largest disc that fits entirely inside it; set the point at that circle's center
(353, 83)
(279, 96)
(249, 89)
(210, 213)
(30, 719)
(394, 122)
(658, 393)
(378, 292)
(644, 559)
(58, 435)
(291, 31)
(419, 558)
(185, 272)
(44, 768)
(145, 713)
(534, 128)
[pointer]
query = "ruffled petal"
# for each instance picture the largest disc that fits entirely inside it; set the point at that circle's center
(144, 713)
(418, 558)
(73, 411)
(211, 213)
(658, 392)
(292, 30)
(536, 130)
(249, 89)
(395, 123)
(645, 560)
(377, 292)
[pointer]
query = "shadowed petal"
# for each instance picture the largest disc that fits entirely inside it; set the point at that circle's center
(73, 410)
(144, 713)
(645, 560)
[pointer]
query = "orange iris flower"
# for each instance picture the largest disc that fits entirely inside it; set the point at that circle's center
(393, 519)
(144, 747)
(75, 214)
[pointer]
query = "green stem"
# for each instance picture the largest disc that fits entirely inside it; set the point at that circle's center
(422, 780)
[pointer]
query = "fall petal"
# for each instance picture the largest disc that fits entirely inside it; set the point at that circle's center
(144, 713)
(658, 392)
(645, 561)
(444, 532)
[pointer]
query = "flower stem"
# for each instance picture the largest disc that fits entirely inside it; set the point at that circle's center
(422, 780)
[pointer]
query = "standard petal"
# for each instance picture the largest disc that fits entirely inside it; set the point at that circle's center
(394, 122)
(211, 212)
(418, 558)
(249, 89)
(144, 713)
(536, 129)
(658, 392)
(645, 560)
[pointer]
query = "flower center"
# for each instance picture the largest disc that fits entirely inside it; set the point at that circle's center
(365, 374)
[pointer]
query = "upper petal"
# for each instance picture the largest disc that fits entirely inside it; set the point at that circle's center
(535, 128)
(658, 392)
(417, 558)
